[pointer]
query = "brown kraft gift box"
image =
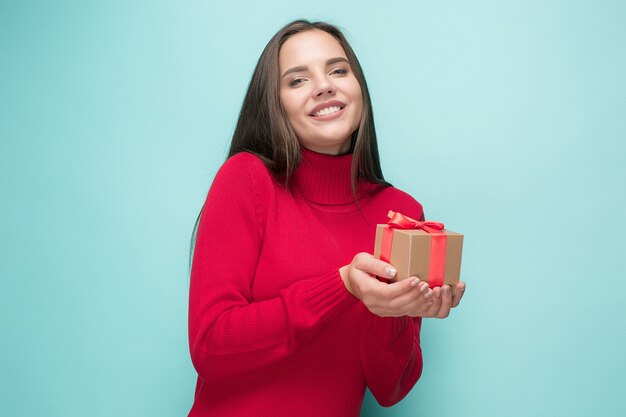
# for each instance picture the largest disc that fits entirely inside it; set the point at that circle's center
(410, 253)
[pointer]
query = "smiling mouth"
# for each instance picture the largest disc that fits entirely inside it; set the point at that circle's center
(327, 111)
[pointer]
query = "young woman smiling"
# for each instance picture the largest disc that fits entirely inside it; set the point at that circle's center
(286, 317)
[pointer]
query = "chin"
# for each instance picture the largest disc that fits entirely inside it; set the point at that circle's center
(332, 135)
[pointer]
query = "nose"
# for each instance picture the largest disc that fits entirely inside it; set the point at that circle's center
(324, 86)
(325, 91)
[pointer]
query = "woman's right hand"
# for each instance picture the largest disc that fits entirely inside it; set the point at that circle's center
(409, 297)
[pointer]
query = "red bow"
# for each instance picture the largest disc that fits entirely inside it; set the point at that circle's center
(437, 244)
(400, 221)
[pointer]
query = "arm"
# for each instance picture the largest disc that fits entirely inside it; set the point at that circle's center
(389, 345)
(229, 333)
(391, 356)
(390, 350)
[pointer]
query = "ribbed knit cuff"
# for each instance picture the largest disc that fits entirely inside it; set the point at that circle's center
(326, 296)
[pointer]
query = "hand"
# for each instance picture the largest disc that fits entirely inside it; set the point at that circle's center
(402, 298)
(443, 301)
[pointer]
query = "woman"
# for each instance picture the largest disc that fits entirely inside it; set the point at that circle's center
(286, 317)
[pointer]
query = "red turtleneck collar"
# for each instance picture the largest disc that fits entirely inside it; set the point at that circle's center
(326, 179)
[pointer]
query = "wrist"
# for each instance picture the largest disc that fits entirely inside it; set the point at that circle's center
(343, 273)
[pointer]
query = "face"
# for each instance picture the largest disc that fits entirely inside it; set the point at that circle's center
(319, 92)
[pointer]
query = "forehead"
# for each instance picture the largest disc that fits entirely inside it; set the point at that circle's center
(309, 47)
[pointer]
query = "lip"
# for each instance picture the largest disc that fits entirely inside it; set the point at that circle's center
(326, 104)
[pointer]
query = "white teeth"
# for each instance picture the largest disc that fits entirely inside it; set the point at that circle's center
(328, 110)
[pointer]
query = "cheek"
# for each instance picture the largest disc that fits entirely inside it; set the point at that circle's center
(355, 95)
(292, 106)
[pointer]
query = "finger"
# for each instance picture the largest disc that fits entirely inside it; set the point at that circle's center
(418, 296)
(429, 308)
(366, 262)
(422, 287)
(437, 292)
(434, 308)
(446, 302)
(380, 294)
(458, 293)
(399, 288)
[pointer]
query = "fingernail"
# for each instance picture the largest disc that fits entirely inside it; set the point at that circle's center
(390, 272)
(414, 282)
(447, 290)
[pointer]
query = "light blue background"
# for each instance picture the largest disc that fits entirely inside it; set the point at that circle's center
(504, 118)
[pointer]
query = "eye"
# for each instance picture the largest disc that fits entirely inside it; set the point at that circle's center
(339, 71)
(296, 82)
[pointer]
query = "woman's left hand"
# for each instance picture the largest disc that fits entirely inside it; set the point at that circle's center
(442, 301)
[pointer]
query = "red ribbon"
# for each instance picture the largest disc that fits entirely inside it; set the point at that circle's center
(437, 265)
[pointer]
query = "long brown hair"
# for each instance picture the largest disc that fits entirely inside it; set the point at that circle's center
(263, 128)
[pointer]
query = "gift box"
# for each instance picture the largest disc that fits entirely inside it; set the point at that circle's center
(422, 249)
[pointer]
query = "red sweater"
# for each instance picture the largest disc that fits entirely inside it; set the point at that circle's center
(272, 329)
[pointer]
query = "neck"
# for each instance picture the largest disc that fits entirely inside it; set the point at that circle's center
(340, 149)
(326, 179)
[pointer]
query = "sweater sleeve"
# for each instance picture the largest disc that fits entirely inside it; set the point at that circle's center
(229, 333)
(390, 350)
(391, 356)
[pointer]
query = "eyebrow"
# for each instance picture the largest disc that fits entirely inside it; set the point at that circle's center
(300, 68)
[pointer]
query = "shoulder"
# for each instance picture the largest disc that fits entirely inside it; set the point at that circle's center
(242, 189)
(244, 169)
(243, 164)
(243, 177)
(400, 201)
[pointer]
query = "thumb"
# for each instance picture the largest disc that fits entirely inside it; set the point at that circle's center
(366, 262)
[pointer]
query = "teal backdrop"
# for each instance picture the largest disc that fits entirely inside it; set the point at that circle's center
(506, 119)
